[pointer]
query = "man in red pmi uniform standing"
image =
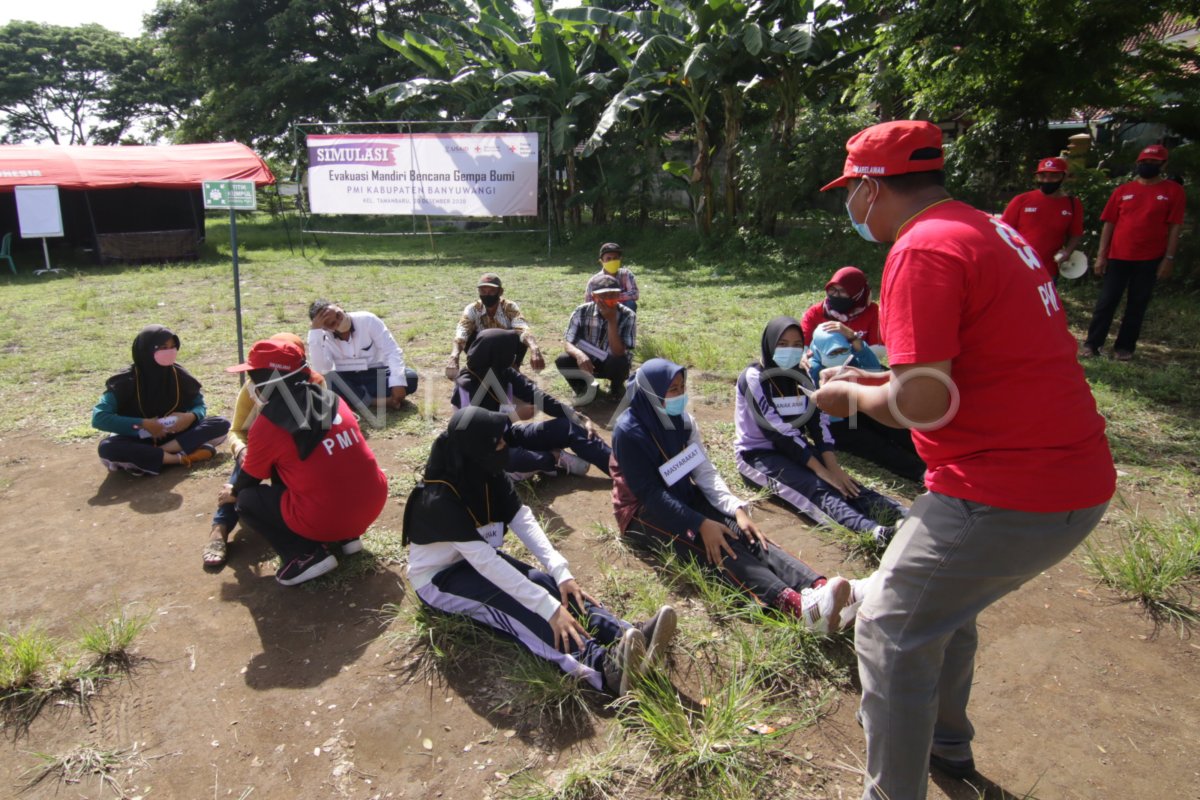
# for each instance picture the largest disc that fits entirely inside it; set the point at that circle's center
(1047, 217)
(983, 370)
(1142, 221)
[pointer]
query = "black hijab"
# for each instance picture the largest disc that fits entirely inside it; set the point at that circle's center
(304, 409)
(779, 382)
(495, 350)
(146, 390)
(465, 486)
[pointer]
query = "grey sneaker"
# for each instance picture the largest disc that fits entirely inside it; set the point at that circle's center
(571, 464)
(624, 660)
(658, 631)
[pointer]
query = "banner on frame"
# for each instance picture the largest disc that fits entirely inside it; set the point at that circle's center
(439, 174)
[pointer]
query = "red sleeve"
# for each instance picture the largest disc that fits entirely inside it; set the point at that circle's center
(813, 317)
(1111, 208)
(1077, 219)
(1013, 212)
(1178, 204)
(924, 299)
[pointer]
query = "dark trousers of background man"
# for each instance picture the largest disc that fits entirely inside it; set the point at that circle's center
(613, 368)
(362, 388)
(1139, 277)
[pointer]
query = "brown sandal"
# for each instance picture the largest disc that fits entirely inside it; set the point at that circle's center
(215, 553)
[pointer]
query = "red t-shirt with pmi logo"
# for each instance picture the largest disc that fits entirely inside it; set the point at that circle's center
(1142, 215)
(1045, 222)
(964, 287)
(335, 493)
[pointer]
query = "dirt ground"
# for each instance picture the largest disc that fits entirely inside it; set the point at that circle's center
(248, 689)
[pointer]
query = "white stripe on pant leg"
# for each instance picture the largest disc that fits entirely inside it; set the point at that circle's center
(495, 618)
(785, 492)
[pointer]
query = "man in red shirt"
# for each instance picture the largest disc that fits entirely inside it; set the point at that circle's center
(1142, 221)
(1047, 217)
(983, 370)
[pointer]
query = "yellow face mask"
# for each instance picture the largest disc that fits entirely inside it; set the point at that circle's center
(611, 266)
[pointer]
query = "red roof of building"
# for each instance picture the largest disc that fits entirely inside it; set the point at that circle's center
(180, 166)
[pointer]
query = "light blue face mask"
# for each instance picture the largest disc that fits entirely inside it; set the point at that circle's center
(861, 227)
(787, 357)
(835, 361)
(675, 405)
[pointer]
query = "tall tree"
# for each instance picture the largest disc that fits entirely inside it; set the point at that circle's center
(1008, 67)
(263, 65)
(56, 82)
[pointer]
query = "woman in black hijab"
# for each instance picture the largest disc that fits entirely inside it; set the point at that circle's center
(155, 411)
(492, 380)
(454, 526)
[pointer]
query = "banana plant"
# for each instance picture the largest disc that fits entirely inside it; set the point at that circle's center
(486, 52)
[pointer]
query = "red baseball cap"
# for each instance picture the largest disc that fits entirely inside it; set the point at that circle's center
(892, 148)
(1053, 164)
(1155, 152)
(272, 354)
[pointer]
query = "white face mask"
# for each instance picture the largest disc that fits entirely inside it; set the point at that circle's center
(345, 325)
(261, 401)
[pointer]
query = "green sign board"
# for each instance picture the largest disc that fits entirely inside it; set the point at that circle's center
(235, 195)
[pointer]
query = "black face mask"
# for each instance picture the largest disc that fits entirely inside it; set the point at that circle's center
(840, 304)
(1148, 170)
(1049, 187)
(489, 300)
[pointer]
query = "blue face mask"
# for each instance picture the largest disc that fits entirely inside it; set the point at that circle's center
(835, 361)
(861, 227)
(788, 357)
(675, 405)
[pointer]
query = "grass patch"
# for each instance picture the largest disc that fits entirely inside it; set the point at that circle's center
(80, 763)
(545, 696)
(109, 641)
(36, 668)
(1155, 562)
(722, 746)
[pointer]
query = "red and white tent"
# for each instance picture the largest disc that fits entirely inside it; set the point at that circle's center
(127, 203)
(179, 166)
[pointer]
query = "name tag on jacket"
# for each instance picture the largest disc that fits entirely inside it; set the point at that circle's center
(677, 468)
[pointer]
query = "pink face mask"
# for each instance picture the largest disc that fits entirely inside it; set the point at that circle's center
(166, 356)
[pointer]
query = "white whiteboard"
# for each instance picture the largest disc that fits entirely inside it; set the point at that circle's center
(38, 211)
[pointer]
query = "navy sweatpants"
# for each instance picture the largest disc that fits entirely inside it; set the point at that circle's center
(764, 574)
(811, 496)
(460, 589)
(144, 456)
(530, 445)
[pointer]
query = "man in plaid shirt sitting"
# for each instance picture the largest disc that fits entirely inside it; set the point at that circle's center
(600, 339)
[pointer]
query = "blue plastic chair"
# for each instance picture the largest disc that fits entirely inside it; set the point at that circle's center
(6, 252)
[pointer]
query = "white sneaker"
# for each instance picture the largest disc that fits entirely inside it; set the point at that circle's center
(571, 463)
(822, 608)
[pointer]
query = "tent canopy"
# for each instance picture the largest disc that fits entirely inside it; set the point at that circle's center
(180, 166)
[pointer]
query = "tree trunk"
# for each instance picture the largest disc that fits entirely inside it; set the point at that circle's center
(733, 130)
(701, 174)
(572, 191)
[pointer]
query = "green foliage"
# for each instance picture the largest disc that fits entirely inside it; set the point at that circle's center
(108, 641)
(57, 83)
(1155, 562)
(721, 746)
(255, 71)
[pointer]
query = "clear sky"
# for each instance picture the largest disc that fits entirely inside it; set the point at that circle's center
(123, 16)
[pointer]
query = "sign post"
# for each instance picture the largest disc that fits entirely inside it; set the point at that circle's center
(235, 196)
